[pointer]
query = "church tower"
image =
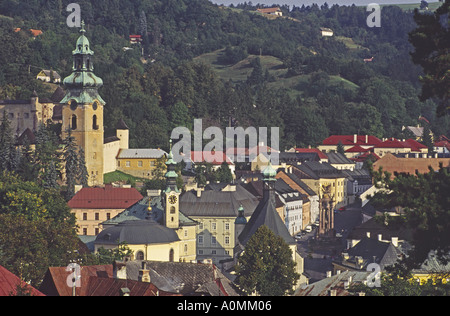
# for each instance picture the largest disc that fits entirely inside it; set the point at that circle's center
(172, 194)
(83, 108)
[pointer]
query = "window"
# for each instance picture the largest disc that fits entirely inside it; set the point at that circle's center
(96, 231)
(85, 231)
(227, 226)
(227, 240)
(200, 239)
(74, 122)
(128, 164)
(140, 164)
(213, 240)
(200, 226)
(84, 216)
(185, 233)
(94, 123)
(171, 255)
(185, 248)
(213, 226)
(172, 210)
(108, 216)
(97, 216)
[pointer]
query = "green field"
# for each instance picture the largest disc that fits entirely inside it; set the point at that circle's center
(239, 72)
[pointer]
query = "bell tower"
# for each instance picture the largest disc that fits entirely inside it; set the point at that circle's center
(83, 108)
(172, 194)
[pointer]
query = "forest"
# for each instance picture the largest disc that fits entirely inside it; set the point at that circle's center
(164, 83)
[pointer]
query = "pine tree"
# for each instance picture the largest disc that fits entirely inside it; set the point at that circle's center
(83, 175)
(71, 164)
(8, 153)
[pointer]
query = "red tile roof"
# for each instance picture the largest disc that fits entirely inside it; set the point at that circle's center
(105, 198)
(203, 155)
(362, 140)
(312, 150)
(357, 149)
(269, 10)
(9, 283)
(392, 143)
(414, 145)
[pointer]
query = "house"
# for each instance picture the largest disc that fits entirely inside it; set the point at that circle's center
(442, 145)
(321, 156)
(10, 284)
(358, 182)
(92, 206)
(334, 285)
(99, 281)
(365, 252)
(310, 208)
(293, 206)
(266, 214)
(432, 268)
(183, 278)
(215, 208)
(135, 39)
(156, 228)
(36, 33)
(340, 161)
(393, 146)
(321, 175)
(271, 11)
(375, 230)
(141, 163)
(331, 143)
(409, 165)
(326, 32)
(49, 76)
(214, 158)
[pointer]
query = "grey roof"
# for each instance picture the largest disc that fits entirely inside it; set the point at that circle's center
(375, 228)
(266, 214)
(317, 170)
(141, 153)
(137, 232)
(338, 158)
(182, 277)
(433, 265)
(383, 253)
(215, 202)
(139, 211)
(336, 282)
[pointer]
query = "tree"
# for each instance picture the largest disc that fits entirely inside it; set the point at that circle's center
(71, 164)
(266, 266)
(340, 148)
(425, 200)
(83, 175)
(224, 173)
(8, 153)
(431, 40)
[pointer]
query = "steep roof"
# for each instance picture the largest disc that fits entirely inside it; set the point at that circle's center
(105, 198)
(9, 283)
(321, 155)
(266, 214)
(215, 202)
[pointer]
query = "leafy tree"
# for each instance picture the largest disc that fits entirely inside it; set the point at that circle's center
(8, 152)
(224, 173)
(266, 266)
(83, 175)
(425, 200)
(340, 148)
(431, 40)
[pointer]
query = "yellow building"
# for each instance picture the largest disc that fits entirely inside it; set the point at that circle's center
(141, 163)
(154, 229)
(216, 209)
(320, 175)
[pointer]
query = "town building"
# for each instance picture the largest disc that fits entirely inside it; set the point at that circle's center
(92, 206)
(271, 11)
(155, 229)
(266, 214)
(141, 163)
(216, 208)
(49, 76)
(10, 283)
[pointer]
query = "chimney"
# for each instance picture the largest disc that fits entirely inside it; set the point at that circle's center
(394, 241)
(144, 273)
(355, 138)
(329, 273)
(119, 270)
(124, 291)
(380, 237)
(367, 139)
(368, 234)
(332, 292)
(199, 192)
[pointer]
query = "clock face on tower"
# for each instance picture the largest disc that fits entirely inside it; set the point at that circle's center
(172, 199)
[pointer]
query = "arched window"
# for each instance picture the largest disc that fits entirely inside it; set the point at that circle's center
(171, 255)
(94, 123)
(74, 122)
(172, 210)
